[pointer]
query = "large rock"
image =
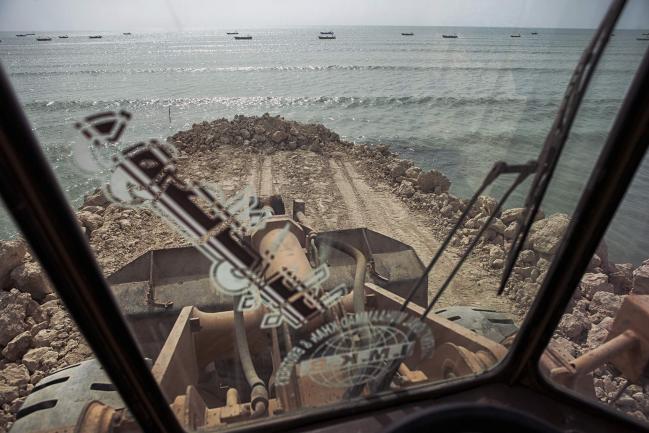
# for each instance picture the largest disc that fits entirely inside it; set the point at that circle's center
(279, 136)
(413, 173)
(605, 304)
(14, 375)
(573, 326)
(13, 312)
(40, 358)
(527, 258)
(433, 181)
(398, 168)
(18, 346)
(593, 283)
(8, 393)
(97, 198)
(486, 205)
(90, 221)
(11, 255)
(546, 234)
(598, 333)
(510, 231)
(405, 189)
(516, 214)
(30, 278)
(44, 338)
(641, 279)
(497, 226)
(621, 277)
(509, 216)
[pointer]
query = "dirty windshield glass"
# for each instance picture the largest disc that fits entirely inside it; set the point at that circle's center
(281, 196)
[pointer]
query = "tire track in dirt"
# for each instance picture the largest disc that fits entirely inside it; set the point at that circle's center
(376, 208)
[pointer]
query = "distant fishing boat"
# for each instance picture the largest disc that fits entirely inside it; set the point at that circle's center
(21, 36)
(327, 33)
(327, 37)
(126, 33)
(449, 36)
(535, 33)
(515, 35)
(63, 37)
(642, 39)
(43, 39)
(231, 33)
(407, 34)
(243, 38)
(95, 37)
(30, 34)
(645, 34)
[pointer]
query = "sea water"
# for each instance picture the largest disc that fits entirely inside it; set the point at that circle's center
(457, 105)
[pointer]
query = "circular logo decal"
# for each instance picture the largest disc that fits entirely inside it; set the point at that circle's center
(357, 349)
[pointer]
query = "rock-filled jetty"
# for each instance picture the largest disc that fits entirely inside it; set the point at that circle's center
(345, 185)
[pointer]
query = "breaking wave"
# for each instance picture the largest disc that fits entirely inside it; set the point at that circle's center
(302, 68)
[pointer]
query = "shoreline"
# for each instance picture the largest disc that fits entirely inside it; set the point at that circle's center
(344, 185)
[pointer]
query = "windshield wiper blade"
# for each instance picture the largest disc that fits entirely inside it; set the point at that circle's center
(558, 134)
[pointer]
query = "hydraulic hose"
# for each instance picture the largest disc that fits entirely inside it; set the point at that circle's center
(258, 390)
(359, 274)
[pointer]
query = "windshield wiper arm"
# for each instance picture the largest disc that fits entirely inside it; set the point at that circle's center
(544, 167)
(558, 134)
(499, 168)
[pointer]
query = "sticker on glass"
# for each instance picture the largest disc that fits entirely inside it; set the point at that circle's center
(144, 175)
(359, 348)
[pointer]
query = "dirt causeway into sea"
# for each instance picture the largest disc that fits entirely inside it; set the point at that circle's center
(344, 186)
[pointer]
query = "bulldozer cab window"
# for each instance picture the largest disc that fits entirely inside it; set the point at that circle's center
(291, 217)
(603, 331)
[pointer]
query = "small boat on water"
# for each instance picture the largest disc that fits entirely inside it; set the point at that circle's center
(95, 37)
(243, 38)
(449, 36)
(231, 33)
(642, 39)
(327, 33)
(535, 33)
(126, 33)
(326, 37)
(30, 34)
(43, 39)
(63, 37)
(515, 35)
(21, 36)
(407, 34)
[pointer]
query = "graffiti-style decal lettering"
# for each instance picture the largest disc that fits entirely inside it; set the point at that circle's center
(144, 174)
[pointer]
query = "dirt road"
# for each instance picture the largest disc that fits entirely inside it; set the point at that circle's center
(339, 196)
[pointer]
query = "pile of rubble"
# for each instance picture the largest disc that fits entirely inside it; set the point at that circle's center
(256, 134)
(589, 319)
(36, 335)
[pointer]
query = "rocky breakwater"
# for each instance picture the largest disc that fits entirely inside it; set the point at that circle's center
(37, 336)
